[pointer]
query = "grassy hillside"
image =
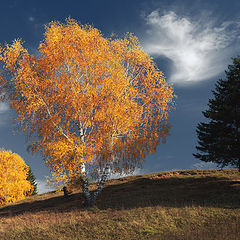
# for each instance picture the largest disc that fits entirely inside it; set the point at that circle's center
(198, 204)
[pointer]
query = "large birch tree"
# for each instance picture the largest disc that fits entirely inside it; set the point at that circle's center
(89, 104)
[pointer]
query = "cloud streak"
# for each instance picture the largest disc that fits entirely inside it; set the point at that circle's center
(4, 108)
(199, 49)
(43, 187)
(204, 165)
(137, 171)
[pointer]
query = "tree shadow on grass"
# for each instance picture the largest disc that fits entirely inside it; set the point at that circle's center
(173, 192)
(50, 203)
(141, 192)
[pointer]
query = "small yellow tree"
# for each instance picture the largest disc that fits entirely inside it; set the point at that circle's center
(13, 178)
(87, 100)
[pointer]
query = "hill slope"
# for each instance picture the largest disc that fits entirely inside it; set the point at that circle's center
(197, 204)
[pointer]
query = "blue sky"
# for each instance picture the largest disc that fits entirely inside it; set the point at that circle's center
(192, 42)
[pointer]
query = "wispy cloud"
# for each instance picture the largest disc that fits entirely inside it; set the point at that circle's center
(31, 19)
(4, 108)
(43, 187)
(137, 171)
(198, 49)
(208, 165)
(204, 165)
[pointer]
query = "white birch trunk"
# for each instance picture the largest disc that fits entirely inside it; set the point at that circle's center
(90, 198)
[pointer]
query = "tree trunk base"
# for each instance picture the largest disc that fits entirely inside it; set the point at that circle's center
(90, 198)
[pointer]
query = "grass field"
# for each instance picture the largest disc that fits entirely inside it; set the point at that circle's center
(196, 204)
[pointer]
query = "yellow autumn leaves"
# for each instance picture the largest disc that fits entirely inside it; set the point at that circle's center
(87, 98)
(13, 175)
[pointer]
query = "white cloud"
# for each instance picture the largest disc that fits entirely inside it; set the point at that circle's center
(198, 49)
(208, 165)
(31, 19)
(43, 187)
(204, 165)
(137, 171)
(4, 108)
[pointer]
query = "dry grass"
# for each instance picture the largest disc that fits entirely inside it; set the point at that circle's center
(199, 204)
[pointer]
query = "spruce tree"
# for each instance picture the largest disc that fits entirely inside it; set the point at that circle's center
(219, 137)
(31, 178)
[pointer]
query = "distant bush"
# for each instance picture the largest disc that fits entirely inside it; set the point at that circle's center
(13, 178)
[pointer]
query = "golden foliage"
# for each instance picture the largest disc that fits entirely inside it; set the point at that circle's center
(89, 99)
(13, 175)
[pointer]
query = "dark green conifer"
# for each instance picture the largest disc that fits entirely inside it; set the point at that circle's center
(219, 137)
(31, 178)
